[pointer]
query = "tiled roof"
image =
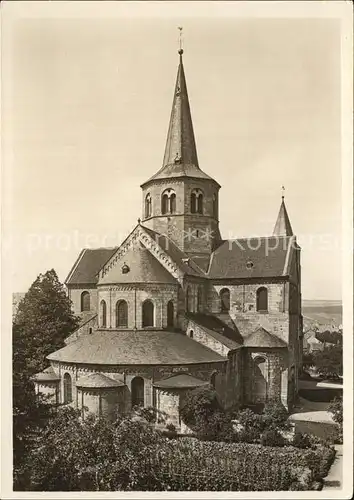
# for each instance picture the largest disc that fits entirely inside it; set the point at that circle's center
(143, 268)
(177, 255)
(47, 375)
(98, 380)
(266, 257)
(181, 381)
(262, 338)
(134, 347)
(88, 264)
(282, 226)
(217, 329)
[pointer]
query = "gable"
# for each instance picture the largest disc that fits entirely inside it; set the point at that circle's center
(88, 264)
(140, 266)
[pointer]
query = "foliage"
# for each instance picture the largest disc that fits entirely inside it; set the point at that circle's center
(150, 414)
(301, 440)
(329, 361)
(44, 318)
(275, 416)
(307, 360)
(198, 406)
(330, 337)
(272, 437)
(129, 455)
(336, 409)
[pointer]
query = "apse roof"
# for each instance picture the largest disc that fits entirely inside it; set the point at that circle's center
(97, 381)
(135, 347)
(180, 381)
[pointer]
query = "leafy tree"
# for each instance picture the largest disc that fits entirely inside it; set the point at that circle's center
(329, 337)
(329, 361)
(199, 408)
(44, 318)
(93, 454)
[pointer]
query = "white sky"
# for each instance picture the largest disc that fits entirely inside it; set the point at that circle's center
(87, 105)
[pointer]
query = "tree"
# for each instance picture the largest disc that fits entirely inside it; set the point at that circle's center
(329, 337)
(329, 362)
(43, 320)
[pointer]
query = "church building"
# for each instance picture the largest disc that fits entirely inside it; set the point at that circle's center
(176, 306)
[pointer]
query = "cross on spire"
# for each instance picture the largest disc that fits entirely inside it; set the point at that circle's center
(282, 192)
(180, 51)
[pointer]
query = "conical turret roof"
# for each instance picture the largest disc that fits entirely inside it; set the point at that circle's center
(282, 226)
(180, 158)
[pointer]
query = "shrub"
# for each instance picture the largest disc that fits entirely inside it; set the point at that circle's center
(272, 437)
(198, 407)
(275, 416)
(301, 440)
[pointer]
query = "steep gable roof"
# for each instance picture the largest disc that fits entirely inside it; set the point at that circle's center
(142, 267)
(217, 329)
(251, 258)
(88, 265)
(262, 338)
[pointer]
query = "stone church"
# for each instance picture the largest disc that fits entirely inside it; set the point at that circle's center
(176, 307)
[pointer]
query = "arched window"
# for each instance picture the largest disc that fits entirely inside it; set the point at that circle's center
(262, 299)
(200, 204)
(225, 300)
(137, 391)
(199, 299)
(193, 203)
(215, 206)
(189, 299)
(67, 389)
(148, 313)
(172, 203)
(168, 201)
(148, 205)
(170, 313)
(121, 313)
(164, 204)
(197, 201)
(103, 310)
(191, 334)
(85, 301)
(213, 380)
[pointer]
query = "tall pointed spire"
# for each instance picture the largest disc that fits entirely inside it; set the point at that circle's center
(282, 226)
(180, 158)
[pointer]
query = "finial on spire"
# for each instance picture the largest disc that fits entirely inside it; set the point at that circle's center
(282, 193)
(180, 40)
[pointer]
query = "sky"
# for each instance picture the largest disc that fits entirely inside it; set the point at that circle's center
(87, 106)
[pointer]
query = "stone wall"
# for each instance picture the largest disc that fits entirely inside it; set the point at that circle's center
(86, 329)
(74, 294)
(243, 308)
(103, 402)
(135, 295)
(182, 226)
(126, 374)
(199, 334)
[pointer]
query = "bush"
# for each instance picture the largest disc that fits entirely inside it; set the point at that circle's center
(272, 437)
(275, 416)
(301, 440)
(198, 406)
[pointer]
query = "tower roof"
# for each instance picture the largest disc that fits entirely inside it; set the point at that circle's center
(282, 226)
(180, 158)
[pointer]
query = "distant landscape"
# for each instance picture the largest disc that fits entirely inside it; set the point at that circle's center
(324, 312)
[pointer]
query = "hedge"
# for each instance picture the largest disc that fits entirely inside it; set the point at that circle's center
(191, 465)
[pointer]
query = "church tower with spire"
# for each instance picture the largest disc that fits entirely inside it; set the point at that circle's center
(180, 200)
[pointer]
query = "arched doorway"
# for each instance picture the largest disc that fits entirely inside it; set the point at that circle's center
(148, 313)
(67, 389)
(137, 391)
(225, 300)
(170, 314)
(260, 379)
